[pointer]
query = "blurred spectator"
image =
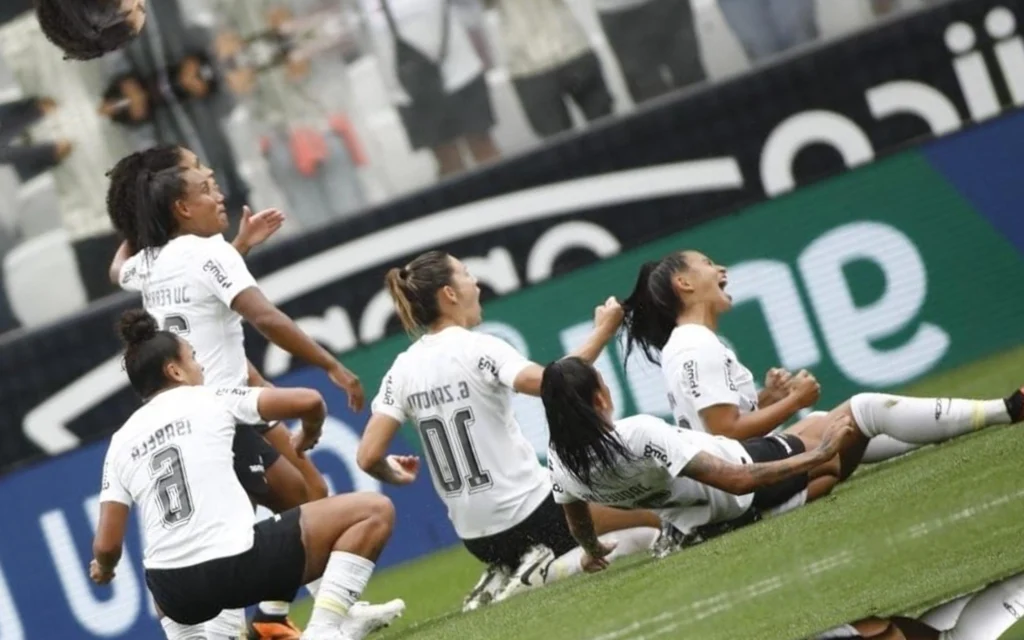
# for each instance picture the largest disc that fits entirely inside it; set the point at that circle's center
(768, 27)
(550, 60)
(87, 29)
(437, 80)
(28, 160)
(298, 93)
(655, 42)
(167, 89)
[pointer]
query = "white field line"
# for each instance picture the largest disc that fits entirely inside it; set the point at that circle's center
(698, 610)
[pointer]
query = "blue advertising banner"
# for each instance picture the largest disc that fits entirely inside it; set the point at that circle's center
(50, 512)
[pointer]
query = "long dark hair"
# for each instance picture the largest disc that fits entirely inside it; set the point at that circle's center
(147, 350)
(650, 312)
(414, 288)
(84, 29)
(143, 189)
(580, 435)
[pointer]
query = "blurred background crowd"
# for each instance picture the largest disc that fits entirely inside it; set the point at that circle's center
(320, 107)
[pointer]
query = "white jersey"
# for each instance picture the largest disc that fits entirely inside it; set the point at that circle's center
(173, 459)
(650, 480)
(701, 372)
(455, 387)
(188, 285)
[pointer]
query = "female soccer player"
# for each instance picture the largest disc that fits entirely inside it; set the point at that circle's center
(692, 480)
(455, 386)
(170, 211)
(87, 29)
(204, 553)
(673, 312)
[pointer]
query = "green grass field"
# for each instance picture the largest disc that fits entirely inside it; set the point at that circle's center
(898, 538)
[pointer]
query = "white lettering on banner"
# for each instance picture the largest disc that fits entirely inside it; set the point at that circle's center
(47, 424)
(849, 329)
(1001, 24)
(571, 235)
(10, 622)
(772, 285)
(104, 618)
(917, 99)
(802, 130)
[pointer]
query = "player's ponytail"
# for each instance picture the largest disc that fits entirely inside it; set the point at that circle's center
(156, 193)
(129, 182)
(651, 310)
(581, 437)
(147, 350)
(414, 287)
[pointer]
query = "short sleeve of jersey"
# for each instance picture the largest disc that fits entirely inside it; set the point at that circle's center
(559, 489)
(667, 445)
(499, 360)
(130, 278)
(112, 489)
(242, 403)
(703, 374)
(222, 270)
(389, 400)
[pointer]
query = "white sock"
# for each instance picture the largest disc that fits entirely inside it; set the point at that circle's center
(990, 612)
(313, 587)
(884, 448)
(228, 624)
(629, 541)
(343, 582)
(924, 420)
(274, 608)
(177, 631)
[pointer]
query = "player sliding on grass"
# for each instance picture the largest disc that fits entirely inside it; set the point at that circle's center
(985, 615)
(455, 387)
(170, 211)
(204, 553)
(673, 312)
(690, 479)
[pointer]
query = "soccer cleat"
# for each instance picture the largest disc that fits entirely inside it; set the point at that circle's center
(671, 540)
(531, 573)
(1015, 406)
(264, 626)
(491, 583)
(365, 618)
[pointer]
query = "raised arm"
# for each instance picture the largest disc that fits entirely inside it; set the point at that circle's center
(725, 419)
(124, 252)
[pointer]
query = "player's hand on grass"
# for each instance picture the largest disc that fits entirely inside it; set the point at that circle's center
(99, 574)
(835, 435)
(608, 316)
(256, 228)
(805, 389)
(596, 559)
(404, 469)
(350, 384)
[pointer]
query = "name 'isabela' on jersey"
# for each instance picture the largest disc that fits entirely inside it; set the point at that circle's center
(160, 437)
(437, 396)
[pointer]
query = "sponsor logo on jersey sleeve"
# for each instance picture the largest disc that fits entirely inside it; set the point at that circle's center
(691, 377)
(218, 273)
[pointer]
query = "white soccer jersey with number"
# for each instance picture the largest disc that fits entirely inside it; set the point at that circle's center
(173, 459)
(650, 479)
(455, 387)
(188, 285)
(701, 372)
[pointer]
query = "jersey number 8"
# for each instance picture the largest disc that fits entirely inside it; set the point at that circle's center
(441, 454)
(172, 486)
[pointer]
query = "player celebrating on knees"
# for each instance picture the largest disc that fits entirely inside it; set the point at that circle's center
(455, 386)
(204, 553)
(673, 312)
(170, 211)
(692, 480)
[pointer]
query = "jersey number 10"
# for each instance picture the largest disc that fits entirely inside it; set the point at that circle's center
(441, 455)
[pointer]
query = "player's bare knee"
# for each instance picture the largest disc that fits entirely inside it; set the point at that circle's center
(382, 511)
(316, 489)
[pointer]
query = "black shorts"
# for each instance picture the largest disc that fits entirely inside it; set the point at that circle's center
(466, 112)
(271, 570)
(770, 449)
(546, 526)
(253, 456)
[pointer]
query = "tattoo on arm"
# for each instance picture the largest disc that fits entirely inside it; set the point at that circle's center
(744, 478)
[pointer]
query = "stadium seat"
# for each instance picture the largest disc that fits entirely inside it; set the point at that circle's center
(42, 281)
